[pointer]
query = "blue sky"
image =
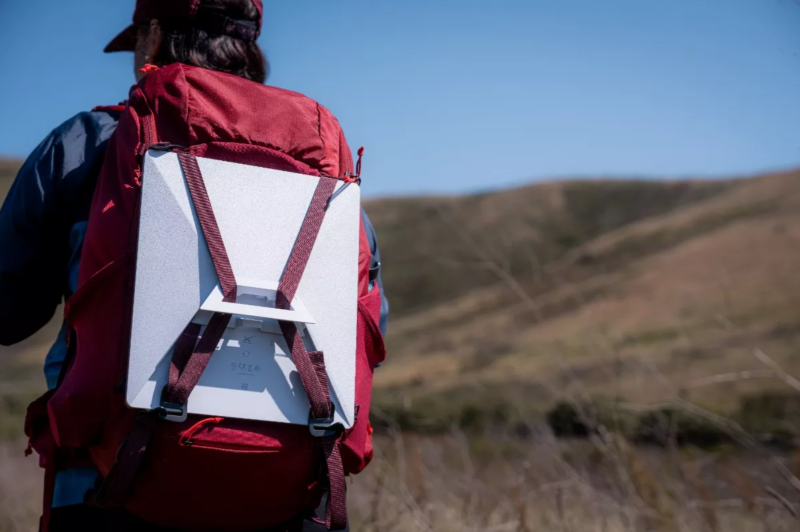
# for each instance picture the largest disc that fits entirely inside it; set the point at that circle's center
(453, 96)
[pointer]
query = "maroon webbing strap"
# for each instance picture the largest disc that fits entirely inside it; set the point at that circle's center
(193, 360)
(305, 243)
(318, 361)
(208, 223)
(318, 396)
(183, 350)
(311, 366)
(49, 493)
(336, 508)
(188, 361)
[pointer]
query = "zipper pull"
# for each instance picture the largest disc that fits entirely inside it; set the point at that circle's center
(148, 68)
(355, 178)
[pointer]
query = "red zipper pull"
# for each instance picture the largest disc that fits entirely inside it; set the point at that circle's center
(355, 178)
(358, 164)
(186, 437)
(148, 68)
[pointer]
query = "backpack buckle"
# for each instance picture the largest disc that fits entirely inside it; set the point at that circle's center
(174, 412)
(323, 427)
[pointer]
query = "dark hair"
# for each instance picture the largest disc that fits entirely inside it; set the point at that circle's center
(196, 47)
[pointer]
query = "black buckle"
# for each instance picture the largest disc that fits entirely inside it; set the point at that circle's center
(174, 412)
(374, 270)
(323, 427)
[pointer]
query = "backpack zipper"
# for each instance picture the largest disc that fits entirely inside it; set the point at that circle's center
(186, 439)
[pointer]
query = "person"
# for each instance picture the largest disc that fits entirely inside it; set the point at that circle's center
(44, 218)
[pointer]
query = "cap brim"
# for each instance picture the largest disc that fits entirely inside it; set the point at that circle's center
(124, 42)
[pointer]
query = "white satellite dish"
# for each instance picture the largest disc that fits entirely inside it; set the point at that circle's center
(259, 213)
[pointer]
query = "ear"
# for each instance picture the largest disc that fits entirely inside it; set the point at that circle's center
(153, 43)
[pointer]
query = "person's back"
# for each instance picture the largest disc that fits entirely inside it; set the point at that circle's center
(43, 222)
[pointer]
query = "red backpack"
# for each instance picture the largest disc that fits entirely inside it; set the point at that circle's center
(206, 473)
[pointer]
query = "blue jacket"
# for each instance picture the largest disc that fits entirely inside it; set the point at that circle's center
(42, 226)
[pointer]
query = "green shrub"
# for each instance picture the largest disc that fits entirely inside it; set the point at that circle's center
(770, 414)
(566, 421)
(671, 426)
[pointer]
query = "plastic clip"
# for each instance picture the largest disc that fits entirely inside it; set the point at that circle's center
(323, 427)
(173, 412)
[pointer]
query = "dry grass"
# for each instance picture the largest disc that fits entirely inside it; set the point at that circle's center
(453, 483)
(20, 489)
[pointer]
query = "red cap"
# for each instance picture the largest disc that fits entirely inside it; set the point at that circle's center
(183, 13)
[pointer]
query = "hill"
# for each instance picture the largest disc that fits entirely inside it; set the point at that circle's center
(633, 290)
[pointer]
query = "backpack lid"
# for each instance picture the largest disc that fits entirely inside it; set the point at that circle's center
(259, 212)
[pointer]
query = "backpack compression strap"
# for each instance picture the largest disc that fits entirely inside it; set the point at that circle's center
(190, 360)
(208, 224)
(311, 366)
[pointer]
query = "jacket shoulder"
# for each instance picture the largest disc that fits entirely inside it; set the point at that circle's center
(99, 122)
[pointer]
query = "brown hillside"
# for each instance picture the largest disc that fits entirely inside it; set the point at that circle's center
(642, 311)
(436, 249)
(8, 169)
